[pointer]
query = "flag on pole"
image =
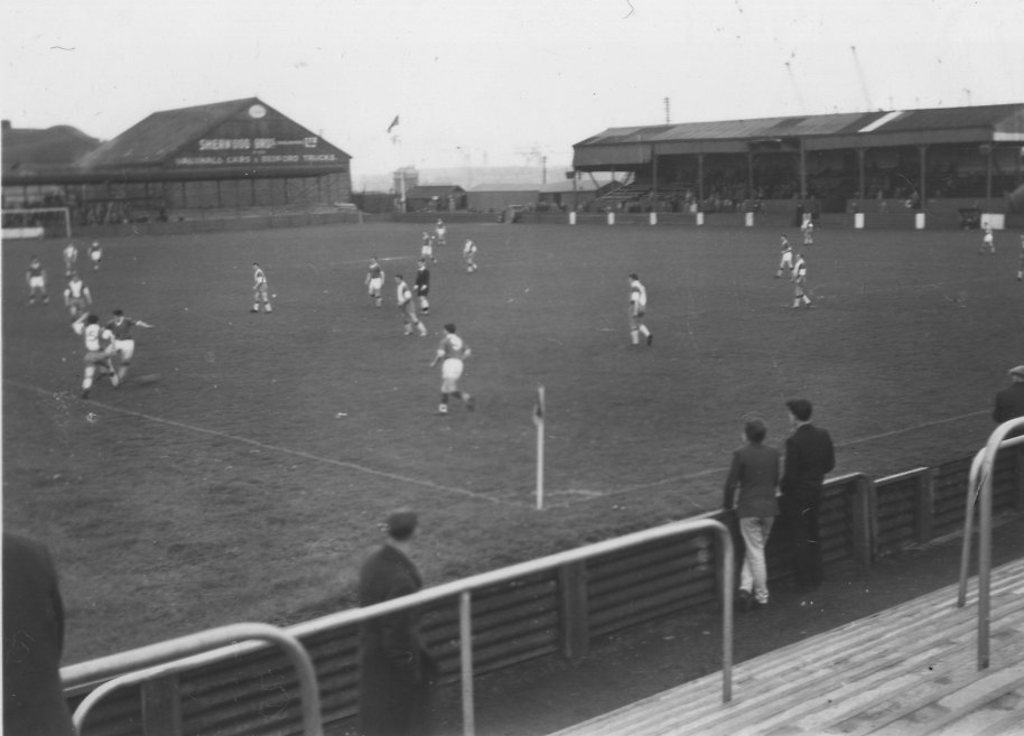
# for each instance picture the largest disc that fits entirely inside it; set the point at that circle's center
(538, 408)
(394, 123)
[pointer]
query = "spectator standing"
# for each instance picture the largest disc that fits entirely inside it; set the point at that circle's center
(1009, 403)
(810, 455)
(33, 614)
(397, 672)
(755, 473)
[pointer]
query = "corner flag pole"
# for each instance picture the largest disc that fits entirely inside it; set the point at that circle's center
(538, 420)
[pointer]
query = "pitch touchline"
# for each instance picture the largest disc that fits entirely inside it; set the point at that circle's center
(285, 450)
(851, 443)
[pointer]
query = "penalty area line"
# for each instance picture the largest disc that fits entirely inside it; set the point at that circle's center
(283, 450)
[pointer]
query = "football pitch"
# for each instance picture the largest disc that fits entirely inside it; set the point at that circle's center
(242, 471)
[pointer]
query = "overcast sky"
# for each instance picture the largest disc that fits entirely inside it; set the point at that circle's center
(499, 82)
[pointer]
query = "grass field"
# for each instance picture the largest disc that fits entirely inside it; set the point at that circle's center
(247, 480)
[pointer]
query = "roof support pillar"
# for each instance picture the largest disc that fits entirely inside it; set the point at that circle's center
(922, 155)
(700, 179)
(750, 174)
(803, 171)
(654, 179)
(988, 176)
(861, 155)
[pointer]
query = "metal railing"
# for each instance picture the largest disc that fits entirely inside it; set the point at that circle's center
(77, 676)
(173, 656)
(979, 492)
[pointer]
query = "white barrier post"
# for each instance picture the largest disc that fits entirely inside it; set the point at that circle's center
(749, 219)
(611, 218)
(919, 221)
(700, 218)
(653, 218)
(858, 220)
(572, 218)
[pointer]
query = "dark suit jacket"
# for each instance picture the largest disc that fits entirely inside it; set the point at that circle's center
(809, 456)
(33, 641)
(396, 669)
(1009, 403)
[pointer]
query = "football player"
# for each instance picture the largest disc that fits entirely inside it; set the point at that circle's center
(375, 282)
(454, 351)
(35, 276)
(405, 304)
(637, 309)
(77, 296)
(260, 290)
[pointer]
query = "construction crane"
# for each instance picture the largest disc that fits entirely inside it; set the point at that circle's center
(860, 77)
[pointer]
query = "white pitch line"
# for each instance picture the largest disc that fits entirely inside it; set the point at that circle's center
(280, 449)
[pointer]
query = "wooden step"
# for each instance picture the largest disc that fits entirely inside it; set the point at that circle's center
(909, 669)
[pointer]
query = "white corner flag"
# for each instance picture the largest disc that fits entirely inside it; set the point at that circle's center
(538, 419)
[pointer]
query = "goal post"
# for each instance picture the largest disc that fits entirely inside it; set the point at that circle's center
(37, 222)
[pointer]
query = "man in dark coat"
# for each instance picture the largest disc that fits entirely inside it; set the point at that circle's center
(1010, 401)
(33, 641)
(397, 671)
(809, 456)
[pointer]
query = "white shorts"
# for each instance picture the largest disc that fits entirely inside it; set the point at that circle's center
(375, 285)
(124, 349)
(451, 372)
(36, 282)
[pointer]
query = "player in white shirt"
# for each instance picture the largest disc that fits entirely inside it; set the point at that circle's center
(77, 296)
(808, 230)
(375, 282)
(35, 276)
(453, 350)
(469, 255)
(70, 254)
(637, 309)
(95, 254)
(800, 282)
(97, 355)
(988, 240)
(441, 233)
(260, 290)
(122, 343)
(403, 295)
(786, 259)
(427, 248)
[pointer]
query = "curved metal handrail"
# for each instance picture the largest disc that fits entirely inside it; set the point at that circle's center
(172, 656)
(979, 489)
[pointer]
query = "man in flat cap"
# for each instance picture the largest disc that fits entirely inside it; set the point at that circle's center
(1010, 401)
(397, 671)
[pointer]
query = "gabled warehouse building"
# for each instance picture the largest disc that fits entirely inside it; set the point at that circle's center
(232, 155)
